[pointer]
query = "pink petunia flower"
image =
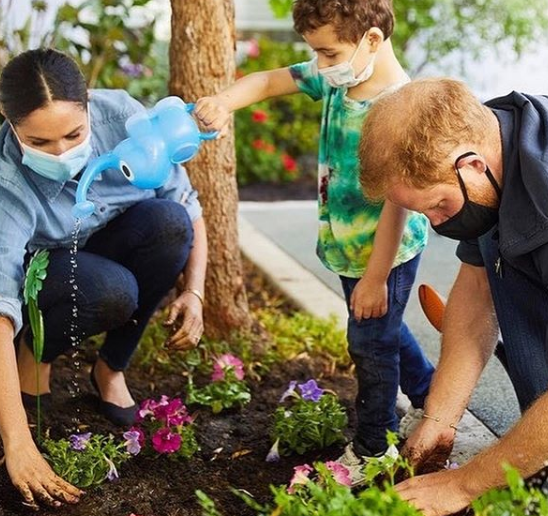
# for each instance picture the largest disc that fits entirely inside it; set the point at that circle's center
(225, 362)
(165, 441)
(340, 473)
(300, 476)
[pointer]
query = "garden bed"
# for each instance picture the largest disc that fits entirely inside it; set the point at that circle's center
(233, 444)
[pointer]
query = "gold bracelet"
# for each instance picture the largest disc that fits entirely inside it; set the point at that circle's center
(196, 292)
(438, 420)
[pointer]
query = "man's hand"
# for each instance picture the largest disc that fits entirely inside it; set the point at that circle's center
(188, 308)
(369, 299)
(35, 480)
(212, 113)
(438, 494)
(431, 442)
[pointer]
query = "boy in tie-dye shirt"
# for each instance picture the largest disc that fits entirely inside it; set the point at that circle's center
(375, 249)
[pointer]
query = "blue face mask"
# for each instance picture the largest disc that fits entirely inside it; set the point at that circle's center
(60, 167)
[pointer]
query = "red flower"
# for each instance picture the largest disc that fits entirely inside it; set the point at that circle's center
(258, 144)
(289, 163)
(259, 116)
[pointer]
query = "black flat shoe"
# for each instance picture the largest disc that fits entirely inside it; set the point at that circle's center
(117, 415)
(29, 401)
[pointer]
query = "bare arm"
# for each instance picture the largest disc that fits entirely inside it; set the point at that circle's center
(469, 335)
(188, 303)
(28, 470)
(370, 297)
(214, 112)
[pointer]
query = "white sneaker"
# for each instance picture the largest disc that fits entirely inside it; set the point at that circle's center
(410, 421)
(356, 464)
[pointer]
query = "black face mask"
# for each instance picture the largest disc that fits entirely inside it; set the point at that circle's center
(473, 219)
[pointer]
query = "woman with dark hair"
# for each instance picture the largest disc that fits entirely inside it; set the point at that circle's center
(131, 251)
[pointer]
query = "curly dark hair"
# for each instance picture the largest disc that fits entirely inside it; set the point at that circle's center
(351, 18)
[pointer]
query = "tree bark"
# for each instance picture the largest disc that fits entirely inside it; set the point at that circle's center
(202, 63)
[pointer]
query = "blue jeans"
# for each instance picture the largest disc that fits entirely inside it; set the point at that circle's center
(122, 274)
(522, 312)
(386, 355)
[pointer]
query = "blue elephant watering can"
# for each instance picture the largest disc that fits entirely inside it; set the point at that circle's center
(163, 136)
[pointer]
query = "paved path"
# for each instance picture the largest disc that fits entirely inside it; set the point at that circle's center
(291, 226)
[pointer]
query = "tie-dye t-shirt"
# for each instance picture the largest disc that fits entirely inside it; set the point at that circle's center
(347, 222)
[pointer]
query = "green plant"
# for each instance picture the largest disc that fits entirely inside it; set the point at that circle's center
(328, 494)
(517, 500)
(226, 389)
(267, 146)
(314, 420)
(34, 278)
(32, 32)
(387, 466)
(440, 27)
(303, 333)
(112, 51)
(86, 460)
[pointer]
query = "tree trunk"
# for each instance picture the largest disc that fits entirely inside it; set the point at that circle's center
(202, 63)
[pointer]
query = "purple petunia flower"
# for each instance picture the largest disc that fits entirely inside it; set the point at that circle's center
(310, 391)
(112, 473)
(79, 442)
(274, 454)
(133, 444)
(133, 70)
(290, 391)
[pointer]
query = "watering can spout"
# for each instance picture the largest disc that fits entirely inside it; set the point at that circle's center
(84, 208)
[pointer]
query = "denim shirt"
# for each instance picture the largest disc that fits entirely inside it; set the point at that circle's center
(35, 212)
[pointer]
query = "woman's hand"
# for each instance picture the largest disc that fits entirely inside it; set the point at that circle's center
(187, 309)
(35, 480)
(369, 299)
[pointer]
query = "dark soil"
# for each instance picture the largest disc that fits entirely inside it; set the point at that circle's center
(305, 188)
(233, 444)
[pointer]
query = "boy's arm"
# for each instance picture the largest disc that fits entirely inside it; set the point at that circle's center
(214, 112)
(369, 298)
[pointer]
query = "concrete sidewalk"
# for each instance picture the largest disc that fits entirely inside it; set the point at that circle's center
(280, 239)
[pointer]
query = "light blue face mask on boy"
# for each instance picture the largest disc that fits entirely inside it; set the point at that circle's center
(60, 167)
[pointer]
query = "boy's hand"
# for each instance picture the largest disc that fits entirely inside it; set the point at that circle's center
(369, 299)
(212, 113)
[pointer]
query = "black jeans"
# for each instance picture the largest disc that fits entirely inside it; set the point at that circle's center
(122, 274)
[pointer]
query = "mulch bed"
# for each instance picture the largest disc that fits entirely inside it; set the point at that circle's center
(233, 444)
(305, 188)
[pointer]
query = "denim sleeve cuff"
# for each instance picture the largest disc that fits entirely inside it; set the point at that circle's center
(193, 207)
(11, 308)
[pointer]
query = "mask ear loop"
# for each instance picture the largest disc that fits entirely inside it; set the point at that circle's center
(459, 177)
(488, 173)
(358, 47)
